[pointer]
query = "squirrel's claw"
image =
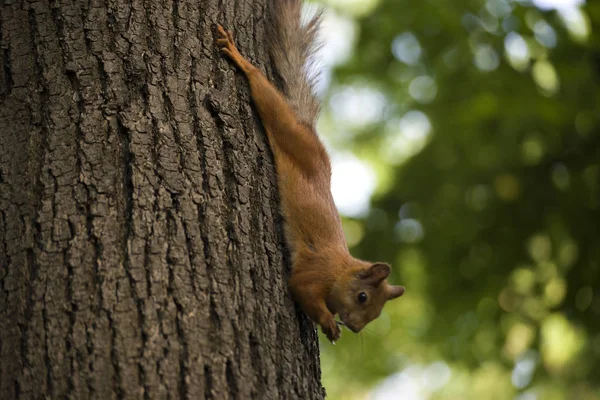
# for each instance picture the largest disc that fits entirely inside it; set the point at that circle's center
(230, 36)
(222, 30)
(226, 37)
(226, 46)
(332, 331)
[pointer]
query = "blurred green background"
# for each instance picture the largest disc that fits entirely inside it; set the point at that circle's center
(465, 141)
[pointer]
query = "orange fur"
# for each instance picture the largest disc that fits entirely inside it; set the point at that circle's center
(326, 280)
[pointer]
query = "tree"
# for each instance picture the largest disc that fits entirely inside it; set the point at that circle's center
(141, 252)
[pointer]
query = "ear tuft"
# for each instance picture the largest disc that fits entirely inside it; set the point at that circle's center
(395, 291)
(376, 273)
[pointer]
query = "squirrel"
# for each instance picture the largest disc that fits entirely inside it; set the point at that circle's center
(326, 280)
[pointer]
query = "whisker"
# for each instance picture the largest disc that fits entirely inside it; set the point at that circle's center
(362, 346)
(372, 332)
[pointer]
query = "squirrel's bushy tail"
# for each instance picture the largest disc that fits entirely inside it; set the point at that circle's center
(292, 45)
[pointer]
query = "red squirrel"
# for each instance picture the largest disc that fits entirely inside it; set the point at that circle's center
(326, 280)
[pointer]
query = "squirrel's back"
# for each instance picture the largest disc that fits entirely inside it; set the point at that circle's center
(292, 45)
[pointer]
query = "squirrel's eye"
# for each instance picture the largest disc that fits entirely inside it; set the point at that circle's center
(362, 297)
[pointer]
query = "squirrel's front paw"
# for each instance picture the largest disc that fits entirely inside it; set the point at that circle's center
(332, 330)
(225, 42)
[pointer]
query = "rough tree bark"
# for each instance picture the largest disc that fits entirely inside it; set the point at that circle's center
(141, 250)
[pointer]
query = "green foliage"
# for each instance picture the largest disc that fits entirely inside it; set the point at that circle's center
(487, 153)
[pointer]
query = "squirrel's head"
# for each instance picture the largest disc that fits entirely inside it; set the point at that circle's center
(359, 300)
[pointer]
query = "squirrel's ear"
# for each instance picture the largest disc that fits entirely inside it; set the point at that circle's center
(376, 273)
(395, 291)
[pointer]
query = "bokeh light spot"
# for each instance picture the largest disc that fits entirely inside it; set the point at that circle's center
(508, 300)
(519, 338)
(486, 58)
(532, 150)
(406, 48)
(355, 7)
(358, 105)
(557, 4)
(405, 137)
(560, 177)
(555, 291)
(577, 23)
(523, 280)
(540, 247)
(409, 210)
(507, 187)
(436, 375)
(352, 184)
(517, 51)
(545, 77)
(498, 8)
(354, 232)
(423, 89)
(523, 371)
(478, 197)
(544, 34)
(561, 341)
(409, 230)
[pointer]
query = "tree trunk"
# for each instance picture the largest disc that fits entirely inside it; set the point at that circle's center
(141, 248)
